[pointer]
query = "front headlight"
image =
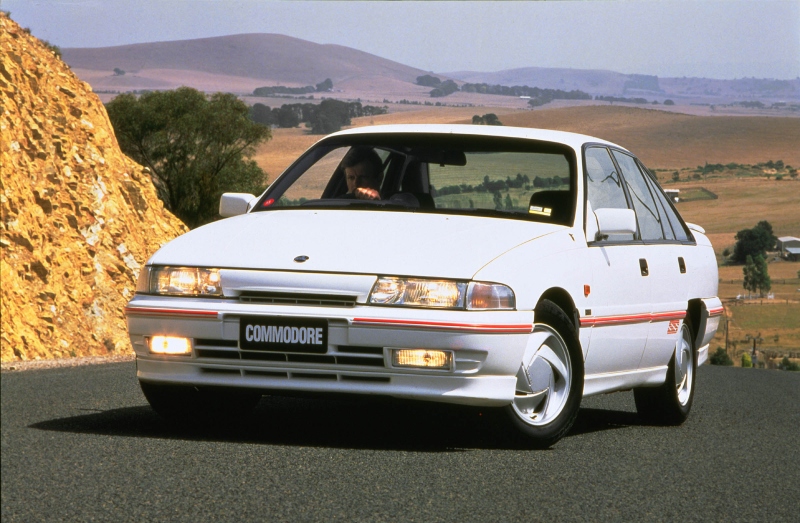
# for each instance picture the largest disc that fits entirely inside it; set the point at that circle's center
(416, 292)
(180, 281)
(444, 294)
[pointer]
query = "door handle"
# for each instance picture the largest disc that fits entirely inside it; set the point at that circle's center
(682, 265)
(643, 267)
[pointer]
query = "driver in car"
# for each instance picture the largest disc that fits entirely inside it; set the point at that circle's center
(363, 171)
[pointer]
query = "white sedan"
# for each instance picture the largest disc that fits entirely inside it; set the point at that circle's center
(493, 266)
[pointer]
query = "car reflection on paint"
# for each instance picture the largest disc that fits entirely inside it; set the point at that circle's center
(514, 268)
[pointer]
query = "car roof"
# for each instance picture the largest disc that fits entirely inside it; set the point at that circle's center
(574, 140)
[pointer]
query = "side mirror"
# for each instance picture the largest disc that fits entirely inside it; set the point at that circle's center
(235, 203)
(615, 221)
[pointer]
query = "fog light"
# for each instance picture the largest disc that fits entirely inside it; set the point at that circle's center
(422, 358)
(170, 345)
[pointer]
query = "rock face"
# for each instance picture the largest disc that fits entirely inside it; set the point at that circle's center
(79, 218)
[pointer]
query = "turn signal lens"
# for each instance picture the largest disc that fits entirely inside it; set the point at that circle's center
(170, 345)
(185, 281)
(421, 358)
(492, 296)
(143, 283)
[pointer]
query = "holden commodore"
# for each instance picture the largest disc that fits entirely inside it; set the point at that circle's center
(503, 267)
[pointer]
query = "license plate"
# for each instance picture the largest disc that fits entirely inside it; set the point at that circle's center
(309, 335)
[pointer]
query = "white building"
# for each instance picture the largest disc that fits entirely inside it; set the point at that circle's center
(789, 247)
(673, 194)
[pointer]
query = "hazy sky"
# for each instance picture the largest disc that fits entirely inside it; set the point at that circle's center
(718, 39)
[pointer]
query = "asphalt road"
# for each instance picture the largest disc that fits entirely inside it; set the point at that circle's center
(81, 444)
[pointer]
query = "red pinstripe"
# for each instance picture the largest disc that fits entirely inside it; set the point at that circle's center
(522, 328)
(152, 311)
(625, 319)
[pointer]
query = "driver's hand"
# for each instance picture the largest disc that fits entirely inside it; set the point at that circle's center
(364, 193)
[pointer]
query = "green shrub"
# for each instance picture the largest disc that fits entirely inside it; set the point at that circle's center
(746, 361)
(789, 365)
(720, 357)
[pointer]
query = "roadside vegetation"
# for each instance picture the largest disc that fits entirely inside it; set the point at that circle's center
(326, 117)
(770, 170)
(196, 147)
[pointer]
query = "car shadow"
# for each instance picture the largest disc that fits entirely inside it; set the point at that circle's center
(376, 424)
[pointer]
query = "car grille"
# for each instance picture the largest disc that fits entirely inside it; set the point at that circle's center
(314, 300)
(345, 355)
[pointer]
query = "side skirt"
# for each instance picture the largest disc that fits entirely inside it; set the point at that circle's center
(614, 381)
(702, 355)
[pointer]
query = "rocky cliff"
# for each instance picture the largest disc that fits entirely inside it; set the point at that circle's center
(79, 218)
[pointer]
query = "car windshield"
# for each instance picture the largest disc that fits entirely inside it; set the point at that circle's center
(478, 175)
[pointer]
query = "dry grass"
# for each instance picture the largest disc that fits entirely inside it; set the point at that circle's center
(742, 204)
(671, 140)
(663, 140)
(775, 323)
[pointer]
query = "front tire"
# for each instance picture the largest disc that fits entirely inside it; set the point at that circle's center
(670, 403)
(188, 404)
(549, 379)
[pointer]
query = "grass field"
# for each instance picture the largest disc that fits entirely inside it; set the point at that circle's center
(742, 203)
(776, 324)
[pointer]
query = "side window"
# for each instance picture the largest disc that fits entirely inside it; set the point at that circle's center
(643, 203)
(604, 186)
(668, 234)
(669, 212)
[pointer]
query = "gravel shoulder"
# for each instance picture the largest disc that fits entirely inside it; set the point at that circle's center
(22, 366)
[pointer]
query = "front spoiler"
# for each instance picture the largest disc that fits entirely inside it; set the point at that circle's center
(464, 390)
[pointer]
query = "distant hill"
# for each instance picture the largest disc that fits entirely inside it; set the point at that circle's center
(591, 81)
(240, 63)
(610, 83)
(270, 58)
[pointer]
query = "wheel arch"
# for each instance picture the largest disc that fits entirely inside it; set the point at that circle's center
(693, 314)
(563, 301)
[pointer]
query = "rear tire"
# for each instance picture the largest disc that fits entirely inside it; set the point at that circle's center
(670, 403)
(549, 380)
(188, 404)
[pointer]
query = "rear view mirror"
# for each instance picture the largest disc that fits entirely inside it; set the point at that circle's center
(235, 203)
(441, 157)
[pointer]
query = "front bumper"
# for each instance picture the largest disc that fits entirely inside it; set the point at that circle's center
(487, 348)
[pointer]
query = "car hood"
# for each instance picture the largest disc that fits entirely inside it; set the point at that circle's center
(352, 241)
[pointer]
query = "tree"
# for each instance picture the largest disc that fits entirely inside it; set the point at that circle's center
(330, 116)
(491, 119)
(756, 275)
(118, 72)
(262, 114)
(288, 116)
(766, 226)
(195, 147)
(326, 85)
(755, 241)
(668, 102)
(445, 88)
(428, 81)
